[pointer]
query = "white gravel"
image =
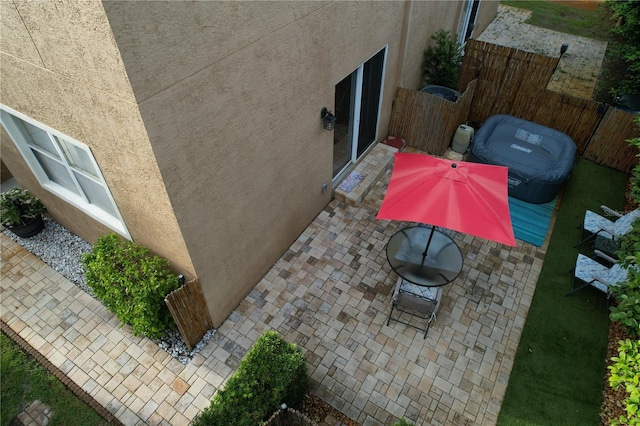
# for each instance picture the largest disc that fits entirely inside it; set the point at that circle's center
(62, 250)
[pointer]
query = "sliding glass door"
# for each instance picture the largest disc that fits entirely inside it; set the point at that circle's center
(357, 106)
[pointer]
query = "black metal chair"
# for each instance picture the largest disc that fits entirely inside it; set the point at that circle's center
(417, 301)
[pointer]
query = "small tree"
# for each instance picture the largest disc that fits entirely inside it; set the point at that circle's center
(442, 62)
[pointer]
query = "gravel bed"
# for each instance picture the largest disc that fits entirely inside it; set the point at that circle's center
(62, 250)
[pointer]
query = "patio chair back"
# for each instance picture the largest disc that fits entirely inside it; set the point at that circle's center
(592, 273)
(417, 301)
(623, 224)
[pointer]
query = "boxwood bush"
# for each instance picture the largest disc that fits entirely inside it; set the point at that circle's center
(131, 283)
(272, 372)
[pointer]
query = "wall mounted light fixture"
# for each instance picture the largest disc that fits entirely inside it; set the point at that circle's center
(328, 119)
(563, 49)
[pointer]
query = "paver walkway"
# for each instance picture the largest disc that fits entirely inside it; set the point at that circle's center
(579, 67)
(330, 293)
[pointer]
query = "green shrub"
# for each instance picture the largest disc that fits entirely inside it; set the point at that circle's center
(131, 283)
(272, 372)
(442, 62)
(627, 47)
(635, 173)
(626, 310)
(626, 372)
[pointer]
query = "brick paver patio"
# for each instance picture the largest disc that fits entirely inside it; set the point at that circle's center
(330, 293)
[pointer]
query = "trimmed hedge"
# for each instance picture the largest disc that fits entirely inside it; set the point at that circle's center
(131, 283)
(272, 372)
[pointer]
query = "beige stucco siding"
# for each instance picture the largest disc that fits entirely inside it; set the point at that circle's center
(163, 43)
(427, 18)
(239, 141)
(67, 74)
(487, 11)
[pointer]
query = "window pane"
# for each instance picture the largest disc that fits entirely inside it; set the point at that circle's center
(56, 172)
(77, 157)
(96, 194)
(39, 138)
(60, 162)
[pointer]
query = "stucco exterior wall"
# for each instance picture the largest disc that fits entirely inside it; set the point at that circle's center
(427, 18)
(487, 11)
(61, 67)
(234, 120)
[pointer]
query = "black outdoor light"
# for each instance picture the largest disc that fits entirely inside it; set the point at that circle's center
(563, 49)
(328, 119)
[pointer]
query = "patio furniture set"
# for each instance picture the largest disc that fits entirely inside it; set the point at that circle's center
(509, 157)
(601, 269)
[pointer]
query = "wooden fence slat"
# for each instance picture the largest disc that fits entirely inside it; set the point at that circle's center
(189, 311)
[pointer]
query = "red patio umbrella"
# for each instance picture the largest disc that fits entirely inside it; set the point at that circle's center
(467, 197)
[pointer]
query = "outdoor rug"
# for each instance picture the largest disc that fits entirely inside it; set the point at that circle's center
(350, 182)
(531, 221)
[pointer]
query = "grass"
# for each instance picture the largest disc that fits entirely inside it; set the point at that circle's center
(565, 19)
(559, 369)
(24, 380)
(595, 24)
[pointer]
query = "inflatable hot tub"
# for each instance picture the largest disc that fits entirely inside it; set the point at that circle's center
(539, 158)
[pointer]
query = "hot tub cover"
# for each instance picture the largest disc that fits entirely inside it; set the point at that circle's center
(530, 150)
(539, 158)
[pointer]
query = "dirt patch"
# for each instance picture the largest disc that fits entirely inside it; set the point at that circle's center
(318, 410)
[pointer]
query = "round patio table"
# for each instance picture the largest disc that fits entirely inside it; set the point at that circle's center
(424, 256)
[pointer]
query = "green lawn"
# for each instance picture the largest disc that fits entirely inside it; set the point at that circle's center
(558, 374)
(565, 19)
(24, 380)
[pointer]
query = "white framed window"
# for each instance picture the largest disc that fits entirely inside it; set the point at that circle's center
(64, 167)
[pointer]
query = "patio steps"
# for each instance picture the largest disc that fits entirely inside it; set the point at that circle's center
(367, 172)
(371, 168)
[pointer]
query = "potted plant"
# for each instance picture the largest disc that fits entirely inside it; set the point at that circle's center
(441, 65)
(21, 212)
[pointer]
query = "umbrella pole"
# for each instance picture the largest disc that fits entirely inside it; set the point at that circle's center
(426, 249)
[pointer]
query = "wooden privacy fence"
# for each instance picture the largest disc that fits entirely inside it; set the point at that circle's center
(428, 122)
(189, 311)
(502, 80)
(607, 145)
(509, 81)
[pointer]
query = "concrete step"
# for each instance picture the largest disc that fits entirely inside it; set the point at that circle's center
(367, 172)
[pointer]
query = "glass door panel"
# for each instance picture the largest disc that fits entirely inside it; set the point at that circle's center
(371, 87)
(357, 106)
(342, 134)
